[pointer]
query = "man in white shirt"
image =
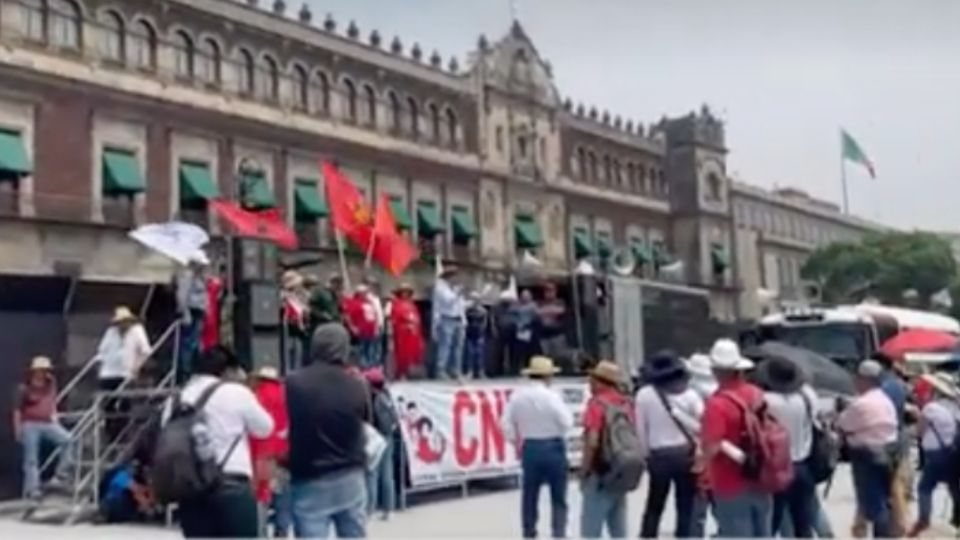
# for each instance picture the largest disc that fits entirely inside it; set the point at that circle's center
(938, 432)
(233, 415)
(668, 410)
(537, 421)
(123, 349)
(375, 299)
(448, 324)
(792, 402)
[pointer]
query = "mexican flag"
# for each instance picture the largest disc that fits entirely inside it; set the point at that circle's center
(853, 152)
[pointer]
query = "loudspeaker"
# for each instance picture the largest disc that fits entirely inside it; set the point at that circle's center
(256, 324)
(254, 259)
(258, 348)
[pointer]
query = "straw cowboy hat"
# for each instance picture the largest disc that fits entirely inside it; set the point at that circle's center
(608, 372)
(406, 286)
(268, 372)
(663, 366)
(291, 280)
(725, 354)
(540, 366)
(123, 314)
(41, 363)
(942, 383)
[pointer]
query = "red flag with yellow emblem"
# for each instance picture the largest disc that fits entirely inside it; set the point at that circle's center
(391, 249)
(349, 212)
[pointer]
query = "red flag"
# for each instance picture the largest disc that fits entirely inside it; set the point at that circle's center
(391, 249)
(349, 213)
(266, 225)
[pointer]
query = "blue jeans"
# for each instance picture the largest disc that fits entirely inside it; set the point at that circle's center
(602, 507)
(746, 515)
(937, 469)
(474, 352)
(281, 510)
(544, 461)
(381, 490)
(367, 350)
(871, 481)
(32, 436)
(821, 523)
(189, 344)
(338, 500)
(449, 335)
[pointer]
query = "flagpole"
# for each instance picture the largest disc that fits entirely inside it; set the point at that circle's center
(843, 180)
(373, 241)
(343, 261)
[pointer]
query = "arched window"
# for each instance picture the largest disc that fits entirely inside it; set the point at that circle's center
(414, 112)
(396, 113)
(321, 92)
(111, 35)
(607, 169)
(453, 127)
(301, 88)
(592, 159)
(582, 163)
(370, 95)
(631, 176)
(63, 19)
(269, 78)
(208, 61)
(182, 54)
(641, 178)
(30, 18)
(247, 72)
(350, 95)
(143, 45)
(617, 174)
(435, 130)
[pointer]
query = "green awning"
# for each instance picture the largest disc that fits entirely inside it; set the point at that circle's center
(640, 251)
(464, 226)
(429, 223)
(604, 245)
(582, 246)
(400, 213)
(660, 254)
(196, 182)
(527, 232)
(257, 194)
(308, 204)
(719, 258)
(121, 173)
(13, 154)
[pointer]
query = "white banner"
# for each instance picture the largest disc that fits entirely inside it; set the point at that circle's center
(452, 432)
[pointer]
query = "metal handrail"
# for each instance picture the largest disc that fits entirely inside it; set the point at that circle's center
(87, 421)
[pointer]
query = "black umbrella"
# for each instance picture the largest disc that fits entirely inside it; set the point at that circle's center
(823, 373)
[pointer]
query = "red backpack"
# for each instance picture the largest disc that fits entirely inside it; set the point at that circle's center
(766, 445)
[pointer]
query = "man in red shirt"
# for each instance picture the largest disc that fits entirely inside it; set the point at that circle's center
(361, 318)
(602, 506)
(740, 508)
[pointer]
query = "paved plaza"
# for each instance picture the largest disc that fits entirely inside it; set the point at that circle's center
(480, 515)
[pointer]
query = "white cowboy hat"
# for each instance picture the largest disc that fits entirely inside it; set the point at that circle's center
(699, 364)
(540, 366)
(123, 314)
(41, 363)
(725, 354)
(268, 372)
(942, 383)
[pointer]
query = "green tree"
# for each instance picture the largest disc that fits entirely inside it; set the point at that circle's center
(884, 264)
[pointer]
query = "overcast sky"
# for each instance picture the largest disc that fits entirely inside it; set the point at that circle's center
(785, 75)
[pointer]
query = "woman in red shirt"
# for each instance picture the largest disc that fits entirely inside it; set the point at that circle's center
(271, 479)
(407, 331)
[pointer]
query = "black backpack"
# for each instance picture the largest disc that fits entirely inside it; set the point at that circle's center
(825, 450)
(184, 463)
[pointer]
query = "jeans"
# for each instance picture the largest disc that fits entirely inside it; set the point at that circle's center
(32, 436)
(338, 500)
(544, 461)
(797, 501)
(189, 344)
(937, 469)
(381, 485)
(115, 409)
(475, 350)
(602, 507)
(821, 523)
(230, 511)
(672, 466)
(367, 352)
(281, 511)
(449, 334)
(745, 515)
(872, 482)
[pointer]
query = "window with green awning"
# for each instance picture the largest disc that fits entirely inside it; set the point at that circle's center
(308, 204)
(464, 226)
(14, 162)
(527, 232)
(257, 193)
(719, 258)
(400, 213)
(429, 223)
(196, 182)
(604, 245)
(121, 172)
(582, 246)
(640, 251)
(660, 254)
